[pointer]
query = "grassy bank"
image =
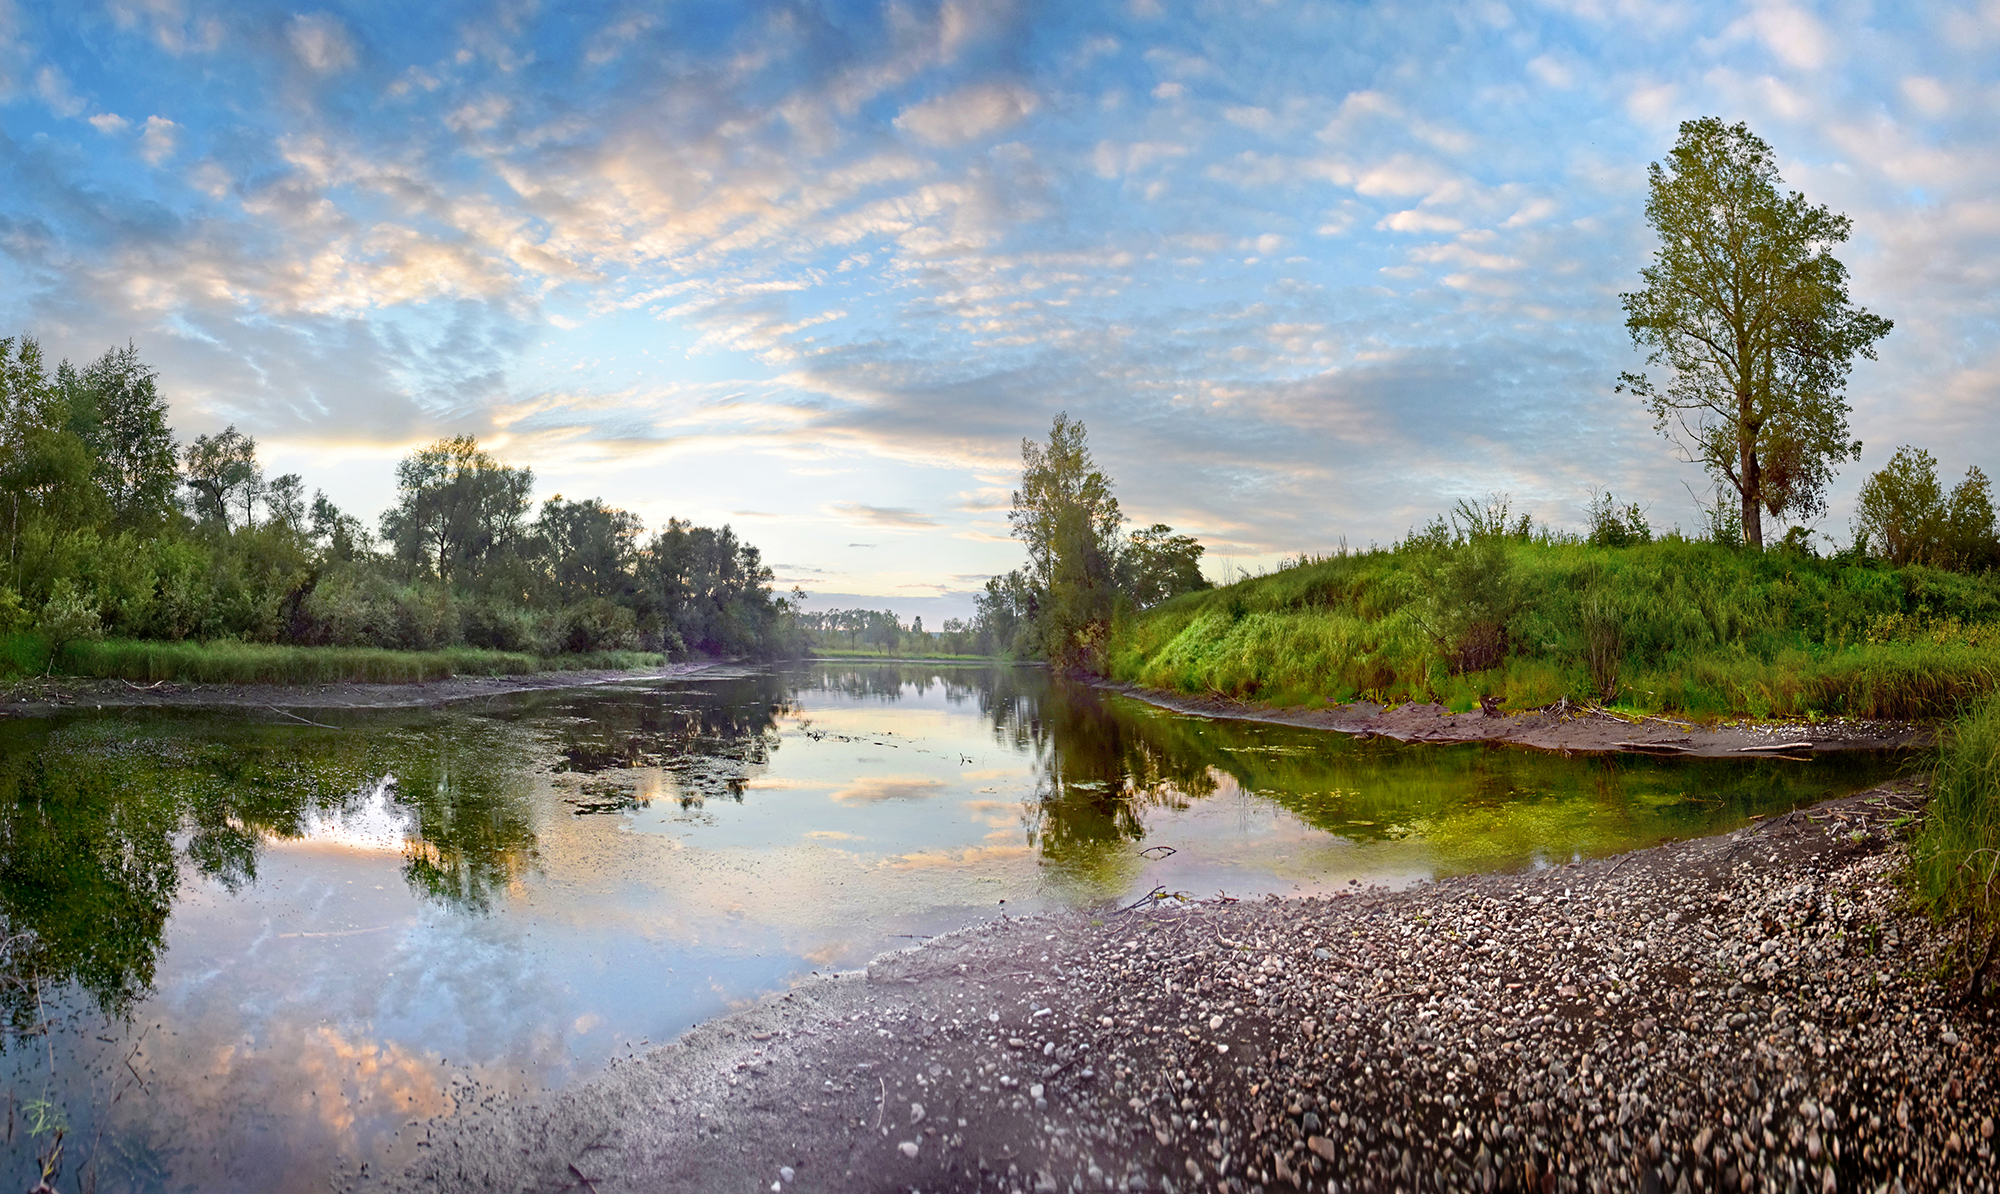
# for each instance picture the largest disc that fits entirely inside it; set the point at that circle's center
(262, 663)
(1955, 855)
(1677, 626)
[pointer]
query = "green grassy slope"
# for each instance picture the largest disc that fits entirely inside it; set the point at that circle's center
(1676, 626)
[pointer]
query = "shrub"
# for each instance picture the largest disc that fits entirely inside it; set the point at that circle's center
(597, 624)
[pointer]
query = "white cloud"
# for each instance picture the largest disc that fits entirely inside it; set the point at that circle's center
(1403, 174)
(1793, 34)
(321, 42)
(53, 88)
(159, 140)
(968, 114)
(109, 122)
(1420, 221)
(1926, 95)
(1552, 71)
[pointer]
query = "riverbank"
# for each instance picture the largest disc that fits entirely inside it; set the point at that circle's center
(44, 696)
(1565, 728)
(1752, 1011)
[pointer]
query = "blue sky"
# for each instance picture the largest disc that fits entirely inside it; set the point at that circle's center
(1307, 271)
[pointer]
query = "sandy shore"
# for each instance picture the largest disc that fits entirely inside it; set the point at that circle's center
(1575, 729)
(1756, 1011)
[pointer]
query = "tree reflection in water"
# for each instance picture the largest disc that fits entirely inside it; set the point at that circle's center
(102, 820)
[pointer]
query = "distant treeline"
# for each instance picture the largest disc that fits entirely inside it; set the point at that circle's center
(879, 631)
(112, 528)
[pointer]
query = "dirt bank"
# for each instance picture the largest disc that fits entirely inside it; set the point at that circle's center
(1575, 728)
(1752, 1011)
(38, 697)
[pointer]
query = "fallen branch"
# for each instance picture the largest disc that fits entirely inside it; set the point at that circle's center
(1779, 746)
(295, 717)
(1673, 746)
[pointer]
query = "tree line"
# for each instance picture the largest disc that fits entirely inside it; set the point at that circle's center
(112, 527)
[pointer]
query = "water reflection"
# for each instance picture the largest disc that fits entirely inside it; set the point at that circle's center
(292, 937)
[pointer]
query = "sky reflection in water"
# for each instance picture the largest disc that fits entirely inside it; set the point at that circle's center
(267, 947)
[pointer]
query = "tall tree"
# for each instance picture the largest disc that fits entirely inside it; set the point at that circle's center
(1746, 309)
(1066, 516)
(222, 470)
(457, 508)
(588, 546)
(124, 421)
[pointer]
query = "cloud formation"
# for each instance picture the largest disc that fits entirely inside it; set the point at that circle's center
(1306, 275)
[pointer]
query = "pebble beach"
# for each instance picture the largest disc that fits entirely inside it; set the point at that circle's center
(1756, 1011)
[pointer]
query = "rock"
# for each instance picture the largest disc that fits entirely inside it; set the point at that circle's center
(908, 1148)
(916, 1113)
(786, 1173)
(1323, 1148)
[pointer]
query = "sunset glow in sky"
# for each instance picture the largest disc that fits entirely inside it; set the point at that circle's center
(1307, 271)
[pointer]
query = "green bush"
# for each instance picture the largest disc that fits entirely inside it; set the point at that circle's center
(595, 624)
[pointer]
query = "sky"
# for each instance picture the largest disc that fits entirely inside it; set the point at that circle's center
(1309, 273)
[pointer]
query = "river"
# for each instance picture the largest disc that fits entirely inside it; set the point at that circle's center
(246, 953)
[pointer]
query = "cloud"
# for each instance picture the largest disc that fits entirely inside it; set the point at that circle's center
(53, 88)
(1415, 220)
(321, 42)
(159, 139)
(874, 789)
(968, 114)
(884, 516)
(1928, 96)
(109, 122)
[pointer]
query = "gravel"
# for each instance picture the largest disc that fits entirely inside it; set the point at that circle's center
(1757, 1011)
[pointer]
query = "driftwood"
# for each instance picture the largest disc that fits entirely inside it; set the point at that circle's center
(1779, 746)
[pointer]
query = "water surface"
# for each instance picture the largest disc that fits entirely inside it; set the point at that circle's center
(261, 949)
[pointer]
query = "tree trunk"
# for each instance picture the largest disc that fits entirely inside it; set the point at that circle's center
(1752, 483)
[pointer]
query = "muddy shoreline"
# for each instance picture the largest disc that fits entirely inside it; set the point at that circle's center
(1757, 1010)
(1577, 729)
(38, 697)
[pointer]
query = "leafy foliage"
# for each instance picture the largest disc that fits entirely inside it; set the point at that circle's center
(1079, 574)
(1905, 517)
(1746, 309)
(98, 541)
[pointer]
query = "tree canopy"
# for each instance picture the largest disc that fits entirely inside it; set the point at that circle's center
(1746, 309)
(1079, 571)
(1904, 516)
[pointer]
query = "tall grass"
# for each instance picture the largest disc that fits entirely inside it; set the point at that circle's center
(1955, 855)
(1672, 626)
(228, 662)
